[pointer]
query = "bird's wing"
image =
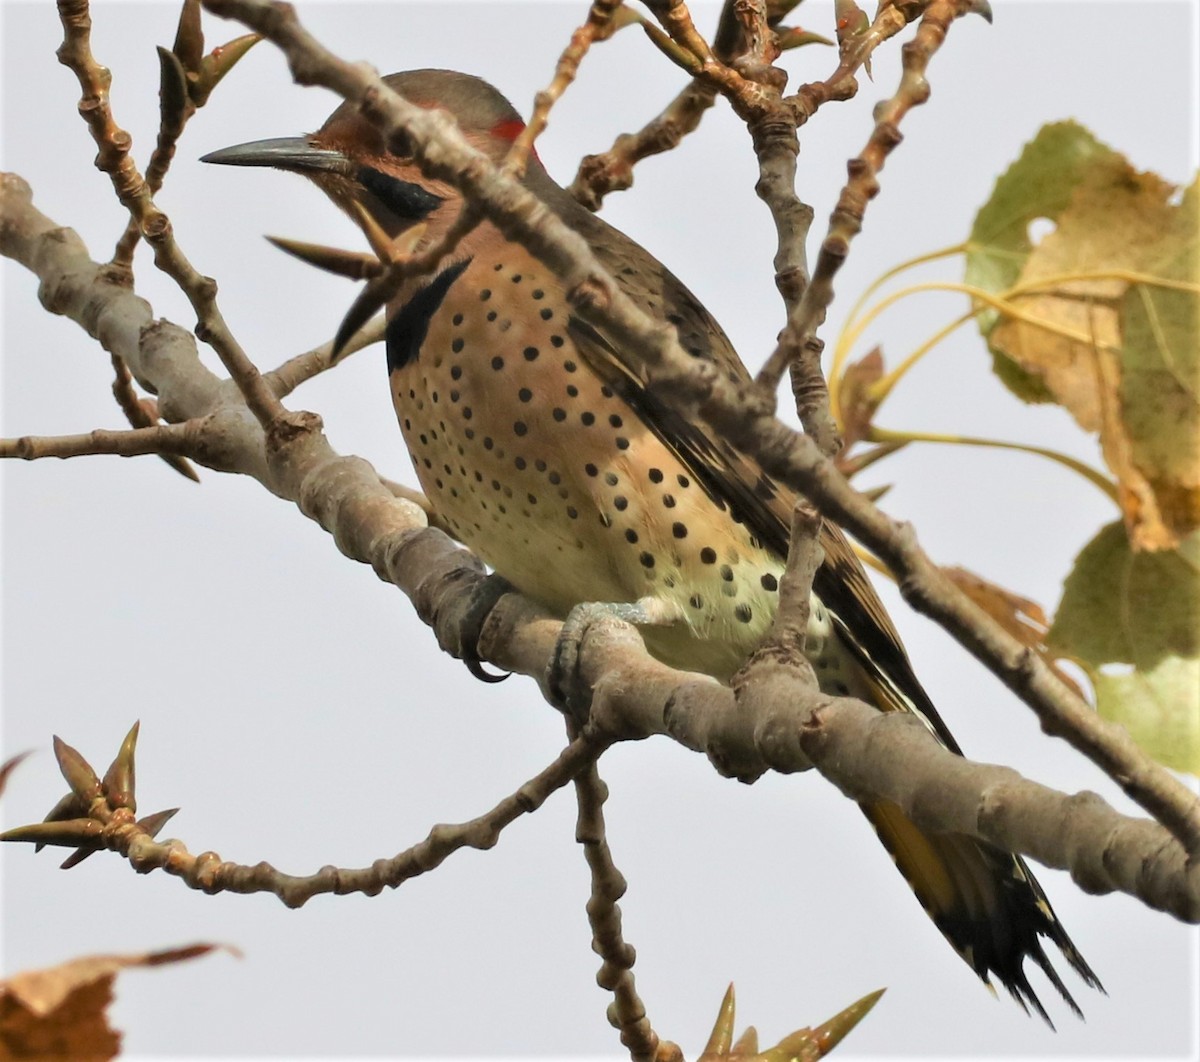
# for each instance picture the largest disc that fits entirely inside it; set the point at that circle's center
(755, 499)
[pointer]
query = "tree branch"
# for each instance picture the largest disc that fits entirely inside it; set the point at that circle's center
(891, 755)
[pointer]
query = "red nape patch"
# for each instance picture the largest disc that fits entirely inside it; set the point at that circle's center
(509, 130)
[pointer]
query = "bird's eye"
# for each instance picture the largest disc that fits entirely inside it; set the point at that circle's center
(403, 198)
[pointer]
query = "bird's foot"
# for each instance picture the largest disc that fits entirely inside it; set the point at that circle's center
(569, 693)
(564, 681)
(487, 595)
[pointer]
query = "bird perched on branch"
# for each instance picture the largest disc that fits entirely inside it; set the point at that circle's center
(558, 466)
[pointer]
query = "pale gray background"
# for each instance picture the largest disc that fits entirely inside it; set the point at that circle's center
(297, 710)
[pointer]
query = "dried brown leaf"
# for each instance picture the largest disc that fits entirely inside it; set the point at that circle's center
(60, 1014)
(1024, 619)
(857, 406)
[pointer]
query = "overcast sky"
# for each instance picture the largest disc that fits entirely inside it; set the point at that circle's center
(297, 710)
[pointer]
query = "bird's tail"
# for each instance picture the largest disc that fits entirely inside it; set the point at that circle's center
(985, 901)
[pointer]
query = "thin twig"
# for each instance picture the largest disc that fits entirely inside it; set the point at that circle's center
(627, 1013)
(598, 27)
(143, 413)
(301, 368)
(612, 171)
(795, 588)
(135, 195)
(110, 825)
(160, 439)
(863, 185)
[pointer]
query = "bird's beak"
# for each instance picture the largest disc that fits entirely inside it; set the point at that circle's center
(295, 153)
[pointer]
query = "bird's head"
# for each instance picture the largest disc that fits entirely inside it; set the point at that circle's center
(349, 160)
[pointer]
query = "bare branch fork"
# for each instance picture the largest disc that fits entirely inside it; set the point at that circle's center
(745, 416)
(371, 525)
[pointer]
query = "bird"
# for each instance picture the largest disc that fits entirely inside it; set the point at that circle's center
(552, 460)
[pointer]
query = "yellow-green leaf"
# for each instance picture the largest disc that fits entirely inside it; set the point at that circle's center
(1104, 317)
(1160, 378)
(1038, 185)
(1132, 621)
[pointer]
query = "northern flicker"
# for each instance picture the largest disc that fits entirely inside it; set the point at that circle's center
(576, 483)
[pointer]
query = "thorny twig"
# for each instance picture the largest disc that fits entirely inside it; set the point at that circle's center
(99, 815)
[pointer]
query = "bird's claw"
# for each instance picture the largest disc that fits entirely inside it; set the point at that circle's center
(487, 595)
